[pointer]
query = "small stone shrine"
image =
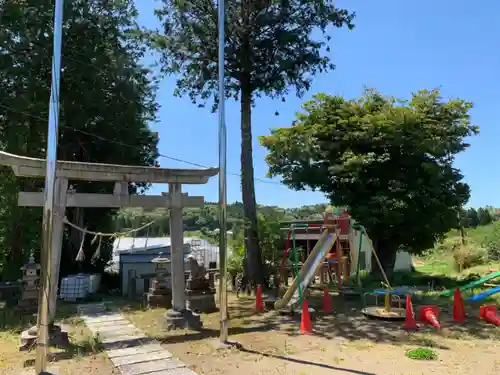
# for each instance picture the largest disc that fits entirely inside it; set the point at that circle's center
(160, 295)
(200, 290)
(30, 286)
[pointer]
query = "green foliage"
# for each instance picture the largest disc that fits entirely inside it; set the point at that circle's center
(424, 354)
(103, 91)
(390, 161)
(206, 219)
(271, 238)
(469, 255)
(269, 48)
(471, 218)
(491, 241)
(269, 45)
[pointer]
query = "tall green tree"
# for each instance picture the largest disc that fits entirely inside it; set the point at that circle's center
(104, 91)
(271, 47)
(484, 216)
(390, 161)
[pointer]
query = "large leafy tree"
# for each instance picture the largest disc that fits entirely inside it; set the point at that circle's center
(271, 46)
(390, 161)
(104, 91)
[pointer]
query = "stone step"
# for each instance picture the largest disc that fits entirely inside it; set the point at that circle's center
(91, 309)
(151, 367)
(116, 328)
(102, 318)
(149, 348)
(113, 323)
(126, 343)
(141, 357)
(129, 349)
(175, 371)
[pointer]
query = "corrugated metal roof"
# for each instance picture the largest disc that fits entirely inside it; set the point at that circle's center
(146, 245)
(127, 243)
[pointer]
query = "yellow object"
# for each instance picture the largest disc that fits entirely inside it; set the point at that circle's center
(310, 266)
(387, 303)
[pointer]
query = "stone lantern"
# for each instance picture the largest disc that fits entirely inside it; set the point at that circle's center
(29, 304)
(30, 286)
(160, 295)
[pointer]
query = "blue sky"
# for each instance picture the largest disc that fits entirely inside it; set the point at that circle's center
(397, 47)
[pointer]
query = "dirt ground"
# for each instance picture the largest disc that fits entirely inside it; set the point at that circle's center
(82, 357)
(342, 343)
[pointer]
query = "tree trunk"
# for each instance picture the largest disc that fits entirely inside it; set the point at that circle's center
(386, 252)
(254, 259)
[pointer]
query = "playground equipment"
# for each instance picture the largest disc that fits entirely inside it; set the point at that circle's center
(333, 259)
(480, 282)
(303, 277)
(482, 296)
(392, 308)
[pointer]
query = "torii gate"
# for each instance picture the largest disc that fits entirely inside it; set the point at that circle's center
(121, 175)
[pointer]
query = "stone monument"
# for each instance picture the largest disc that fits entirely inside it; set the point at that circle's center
(200, 290)
(160, 295)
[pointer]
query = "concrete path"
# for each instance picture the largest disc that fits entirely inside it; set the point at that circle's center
(130, 349)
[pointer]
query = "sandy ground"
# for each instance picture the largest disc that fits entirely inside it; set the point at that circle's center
(342, 343)
(80, 358)
(345, 343)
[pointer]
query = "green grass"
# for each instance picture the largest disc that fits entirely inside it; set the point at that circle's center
(422, 354)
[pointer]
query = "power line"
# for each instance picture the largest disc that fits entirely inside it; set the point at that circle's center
(266, 181)
(122, 144)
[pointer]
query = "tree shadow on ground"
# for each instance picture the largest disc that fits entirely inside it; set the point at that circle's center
(304, 362)
(348, 323)
(70, 351)
(210, 333)
(17, 321)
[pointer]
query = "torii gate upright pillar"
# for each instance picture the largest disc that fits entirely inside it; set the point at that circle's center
(178, 316)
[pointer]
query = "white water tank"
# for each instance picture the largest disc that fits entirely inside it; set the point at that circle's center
(94, 283)
(74, 287)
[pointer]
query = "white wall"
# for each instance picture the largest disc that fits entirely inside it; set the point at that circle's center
(403, 258)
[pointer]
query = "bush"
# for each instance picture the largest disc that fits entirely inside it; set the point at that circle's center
(422, 354)
(492, 242)
(469, 255)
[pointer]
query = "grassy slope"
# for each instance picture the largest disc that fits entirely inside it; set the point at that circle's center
(438, 265)
(439, 261)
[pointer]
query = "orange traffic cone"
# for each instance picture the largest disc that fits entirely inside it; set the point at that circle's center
(305, 319)
(327, 301)
(429, 315)
(259, 302)
(410, 322)
(489, 314)
(458, 307)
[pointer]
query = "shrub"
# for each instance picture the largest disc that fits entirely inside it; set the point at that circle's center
(423, 354)
(492, 242)
(469, 255)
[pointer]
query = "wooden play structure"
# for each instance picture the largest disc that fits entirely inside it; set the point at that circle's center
(351, 254)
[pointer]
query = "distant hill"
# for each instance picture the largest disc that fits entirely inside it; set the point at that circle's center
(206, 218)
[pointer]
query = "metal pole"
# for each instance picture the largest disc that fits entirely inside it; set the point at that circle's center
(48, 208)
(224, 318)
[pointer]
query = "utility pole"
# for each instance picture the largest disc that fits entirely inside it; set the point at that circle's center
(48, 208)
(224, 319)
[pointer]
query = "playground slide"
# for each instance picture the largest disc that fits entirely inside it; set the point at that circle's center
(479, 282)
(484, 295)
(308, 270)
